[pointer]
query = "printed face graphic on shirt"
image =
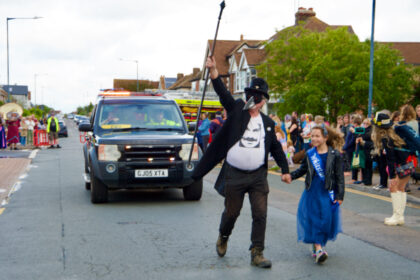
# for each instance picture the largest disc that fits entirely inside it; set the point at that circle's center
(251, 138)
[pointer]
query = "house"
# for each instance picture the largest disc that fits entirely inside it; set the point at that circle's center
(3, 95)
(165, 83)
(20, 94)
(409, 50)
(186, 82)
(131, 85)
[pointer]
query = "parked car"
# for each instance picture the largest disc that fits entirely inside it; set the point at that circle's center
(63, 129)
(81, 119)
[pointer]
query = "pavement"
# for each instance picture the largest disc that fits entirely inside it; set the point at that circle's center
(13, 166)
(412, 197)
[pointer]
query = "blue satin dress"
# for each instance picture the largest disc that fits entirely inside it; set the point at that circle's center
(317, 220)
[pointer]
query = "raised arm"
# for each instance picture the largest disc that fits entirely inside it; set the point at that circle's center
(225, 97)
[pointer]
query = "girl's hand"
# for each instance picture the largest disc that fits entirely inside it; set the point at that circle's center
(339, 201)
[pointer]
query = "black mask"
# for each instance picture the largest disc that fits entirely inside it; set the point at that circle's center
(257, 97)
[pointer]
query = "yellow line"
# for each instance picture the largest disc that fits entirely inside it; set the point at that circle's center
(1, 210)
(380, 197)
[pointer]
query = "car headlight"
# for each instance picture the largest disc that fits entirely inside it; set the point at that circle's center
(185, 152)
(108, 153)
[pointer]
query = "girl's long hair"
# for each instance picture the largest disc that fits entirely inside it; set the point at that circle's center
(387, 133)
(335, 139)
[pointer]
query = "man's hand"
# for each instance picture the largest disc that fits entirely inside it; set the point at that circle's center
(286, 178)
(211, 65)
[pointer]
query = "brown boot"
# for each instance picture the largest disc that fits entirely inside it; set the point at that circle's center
(221, 245)
(257, 258)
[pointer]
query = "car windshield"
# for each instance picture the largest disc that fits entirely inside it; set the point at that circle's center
(139, 117)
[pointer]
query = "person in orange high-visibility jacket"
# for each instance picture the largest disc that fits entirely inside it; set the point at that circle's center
(52, 129)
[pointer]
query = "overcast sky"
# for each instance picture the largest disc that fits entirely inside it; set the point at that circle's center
(75, 48)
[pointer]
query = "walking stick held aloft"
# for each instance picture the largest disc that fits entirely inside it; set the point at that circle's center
(189, 165)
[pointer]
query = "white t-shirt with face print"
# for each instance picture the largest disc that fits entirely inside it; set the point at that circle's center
(248, 153)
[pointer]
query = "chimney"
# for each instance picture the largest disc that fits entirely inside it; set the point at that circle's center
(179, 76)
(195, 71)
(303, 14)
(242, 37)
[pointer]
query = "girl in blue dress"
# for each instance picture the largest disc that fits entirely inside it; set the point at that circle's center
(318, 217)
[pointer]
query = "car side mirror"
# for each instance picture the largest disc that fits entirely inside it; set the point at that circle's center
(191, 126)
(85, 127)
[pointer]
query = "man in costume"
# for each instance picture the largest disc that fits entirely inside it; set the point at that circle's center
(244, 141)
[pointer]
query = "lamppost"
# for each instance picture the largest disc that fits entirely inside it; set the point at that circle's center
(36, 75)
(137, 62)
(371, 61)
(7, 34)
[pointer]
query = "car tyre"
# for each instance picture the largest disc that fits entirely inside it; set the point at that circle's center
(98, 190)
(193, 191)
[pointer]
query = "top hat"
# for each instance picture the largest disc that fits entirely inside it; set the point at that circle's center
(258, 85)
(382, 120)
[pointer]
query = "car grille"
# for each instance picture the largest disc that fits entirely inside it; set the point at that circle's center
(150, 154)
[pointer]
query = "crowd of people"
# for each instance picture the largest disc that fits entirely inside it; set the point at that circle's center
(294, 135)
(17, 132)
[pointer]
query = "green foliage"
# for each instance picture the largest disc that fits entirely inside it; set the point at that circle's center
(38, 111)
(85, 110)
(327, 73)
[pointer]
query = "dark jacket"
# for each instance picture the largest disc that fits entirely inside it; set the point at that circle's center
(368, 145)
(350, 143)
(232, 131)
(394, 156)
(334, 174)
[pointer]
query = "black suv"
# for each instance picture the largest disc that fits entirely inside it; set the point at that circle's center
(138, 142)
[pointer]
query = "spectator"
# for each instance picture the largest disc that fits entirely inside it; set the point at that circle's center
(340, 124)
(290, 152)
(13, 124)
(306, 132)
(23, 130)
(3, 142)
(408, 115)
(384, 137)
(216, 124)
(31, 126)
(380, 158)
(294, 132)
(52, 129)
(204, 130)
(395, 117)
(418, 114)
(346, 125)
(350, 146)
(319, 120)
(302, 124)
(366, 143)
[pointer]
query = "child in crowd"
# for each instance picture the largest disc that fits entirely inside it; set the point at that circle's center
(399, 168)
(290, 152)
(318, 217)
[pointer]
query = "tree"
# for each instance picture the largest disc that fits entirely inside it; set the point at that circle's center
(327, 73)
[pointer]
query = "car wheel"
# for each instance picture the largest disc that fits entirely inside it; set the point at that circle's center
(98, 190)
(193, 191)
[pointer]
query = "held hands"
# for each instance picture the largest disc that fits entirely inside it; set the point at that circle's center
(339, 201)
(286, 178)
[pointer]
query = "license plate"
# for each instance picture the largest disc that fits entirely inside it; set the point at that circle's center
(151, 173)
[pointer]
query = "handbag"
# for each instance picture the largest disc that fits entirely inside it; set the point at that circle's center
(405, 169)
(358, 160)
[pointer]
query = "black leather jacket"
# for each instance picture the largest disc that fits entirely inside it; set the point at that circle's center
(334, 174)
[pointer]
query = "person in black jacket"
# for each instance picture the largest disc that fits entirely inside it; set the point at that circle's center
(318, 217)
(399, 167)
(366, 143)
(244, 141)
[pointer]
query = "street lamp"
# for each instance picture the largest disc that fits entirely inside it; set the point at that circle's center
(137, 62)
(7, 34)
(36, 75)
